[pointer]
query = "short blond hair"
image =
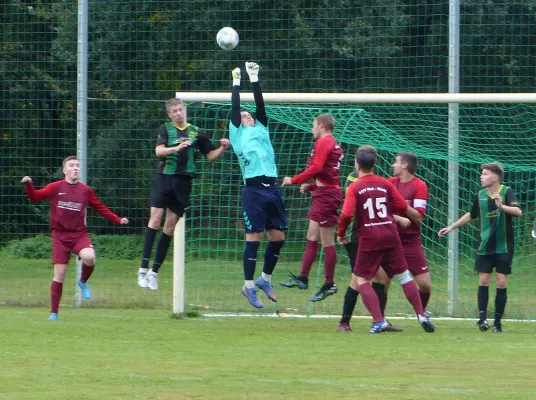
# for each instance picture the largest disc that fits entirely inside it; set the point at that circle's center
(67, 159)
(174, 102)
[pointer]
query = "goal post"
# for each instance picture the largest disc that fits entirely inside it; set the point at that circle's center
(486, 127)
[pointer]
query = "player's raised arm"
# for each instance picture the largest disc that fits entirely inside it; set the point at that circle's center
(34, 194)
(260, 113)
(235, 99)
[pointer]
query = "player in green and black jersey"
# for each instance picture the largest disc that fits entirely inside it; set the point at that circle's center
(177, 146)
(495, 205)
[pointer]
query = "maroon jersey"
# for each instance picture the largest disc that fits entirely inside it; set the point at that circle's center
(68, 204)
(373, 199)
(324, 163)
(416, 194)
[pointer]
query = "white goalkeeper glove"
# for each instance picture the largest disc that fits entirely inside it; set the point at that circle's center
(236, 77)
(253, 71)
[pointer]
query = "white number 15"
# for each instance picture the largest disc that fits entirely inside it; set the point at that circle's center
(380, 210)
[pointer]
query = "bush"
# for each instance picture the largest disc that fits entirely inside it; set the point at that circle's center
(117, 247)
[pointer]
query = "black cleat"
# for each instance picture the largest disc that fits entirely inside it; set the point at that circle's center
(497, 328)
(325, 291)
(483, 325)
(296, 281)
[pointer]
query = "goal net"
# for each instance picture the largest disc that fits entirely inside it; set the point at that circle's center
(505, 132)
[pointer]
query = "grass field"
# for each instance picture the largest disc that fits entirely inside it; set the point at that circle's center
(213, 286)
(145, 354)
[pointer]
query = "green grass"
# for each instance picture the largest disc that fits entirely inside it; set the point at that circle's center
(144, 354)
(213, 286)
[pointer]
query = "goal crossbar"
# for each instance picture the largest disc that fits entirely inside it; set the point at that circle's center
(361, 98)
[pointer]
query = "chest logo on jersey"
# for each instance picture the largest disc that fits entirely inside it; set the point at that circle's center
(493, 214)
(70, 205)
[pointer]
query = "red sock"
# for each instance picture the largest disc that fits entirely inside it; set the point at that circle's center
(425, 296)
(56, 288)
(412, 294)
(330, 260)
(371, 302)
(86, 272)
(308, 258)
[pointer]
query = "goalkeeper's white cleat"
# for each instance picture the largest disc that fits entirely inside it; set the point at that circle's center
(236, 73)
(253, 71)
(152, 278)
(142, 278)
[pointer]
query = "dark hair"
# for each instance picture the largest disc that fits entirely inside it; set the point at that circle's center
(410, 159)
(327, 121)
(494, 167)
(366, 157)
(67, 159)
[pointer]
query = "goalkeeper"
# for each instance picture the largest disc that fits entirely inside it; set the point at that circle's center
(262, 205)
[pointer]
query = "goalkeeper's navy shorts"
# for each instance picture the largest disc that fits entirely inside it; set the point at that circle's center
(263, 208)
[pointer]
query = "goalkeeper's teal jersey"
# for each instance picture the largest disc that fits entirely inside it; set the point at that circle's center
(254, 150)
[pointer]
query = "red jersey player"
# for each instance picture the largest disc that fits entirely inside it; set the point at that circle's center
(69, 199)
(415, 191)
(374, 200)
(323, 166)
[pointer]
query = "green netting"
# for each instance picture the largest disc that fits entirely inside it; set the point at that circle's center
(142, 51)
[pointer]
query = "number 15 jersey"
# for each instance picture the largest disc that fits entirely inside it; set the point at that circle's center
(373, 200)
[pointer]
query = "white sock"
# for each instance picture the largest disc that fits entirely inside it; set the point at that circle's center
(250, 284)
(236, 82)
(143, 270)
(266, 277)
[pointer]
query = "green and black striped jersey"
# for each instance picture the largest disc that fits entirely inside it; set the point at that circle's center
(496, 227)
(182, 162)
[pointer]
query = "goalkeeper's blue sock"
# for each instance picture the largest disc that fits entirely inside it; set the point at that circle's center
(271, 256)
(250, 260)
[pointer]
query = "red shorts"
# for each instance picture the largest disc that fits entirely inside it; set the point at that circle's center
(325, 206)
(414, 254)
(391, 260)
(63, 243)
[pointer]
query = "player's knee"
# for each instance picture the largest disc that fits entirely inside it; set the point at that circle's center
(277, 246)
(168, 230)
(89, 260)
(403, 278)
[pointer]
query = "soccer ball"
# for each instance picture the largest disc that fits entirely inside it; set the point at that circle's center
(227, 38)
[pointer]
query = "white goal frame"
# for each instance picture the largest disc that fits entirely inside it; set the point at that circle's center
(452, 99)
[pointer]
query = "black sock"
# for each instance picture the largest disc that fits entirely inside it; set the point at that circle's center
(483, 298)
(500, 304)
(148, 243)
(350, 299)
(250, 259)
(161, 251)
(382, 296)
(271, 256)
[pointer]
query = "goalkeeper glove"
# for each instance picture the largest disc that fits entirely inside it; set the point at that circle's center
(253, 71)
(236, 77)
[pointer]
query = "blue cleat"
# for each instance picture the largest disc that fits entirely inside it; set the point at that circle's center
(377, 327)
(86, 293)
(267, 288)
(53, 316)
(251, 295)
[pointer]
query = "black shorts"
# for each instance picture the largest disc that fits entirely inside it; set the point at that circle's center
(171, 191)
(501, 262)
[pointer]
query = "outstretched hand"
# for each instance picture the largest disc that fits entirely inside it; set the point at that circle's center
(124, 221)
(26, 179)
(253, 71)
(444, 231)
(287, 181)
